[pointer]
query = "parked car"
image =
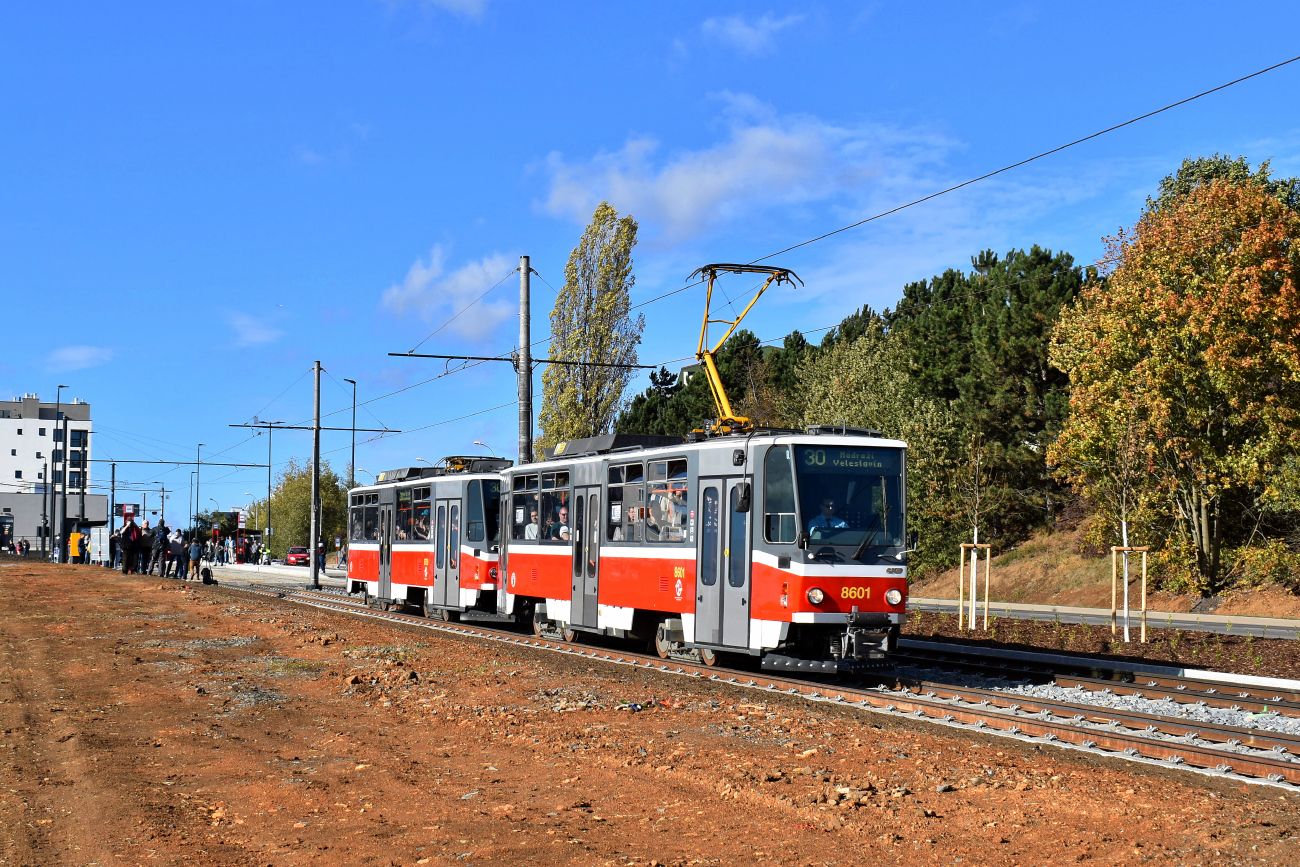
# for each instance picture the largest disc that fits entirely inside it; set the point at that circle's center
(297, 556)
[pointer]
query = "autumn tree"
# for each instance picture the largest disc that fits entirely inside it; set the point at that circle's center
(592, 322)
(1198, 327)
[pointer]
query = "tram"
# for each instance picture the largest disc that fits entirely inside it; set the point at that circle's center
(427, 537)
(784, 545)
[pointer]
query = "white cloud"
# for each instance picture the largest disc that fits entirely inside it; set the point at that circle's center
(746, 37)
(433, 295)
(78, 357)
(766, 161)
(250, 330)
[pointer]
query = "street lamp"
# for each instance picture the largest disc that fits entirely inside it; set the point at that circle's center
(367, 472)
(486, 446)
(198, 477)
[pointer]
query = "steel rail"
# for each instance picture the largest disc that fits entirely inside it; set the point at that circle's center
(1141, 747)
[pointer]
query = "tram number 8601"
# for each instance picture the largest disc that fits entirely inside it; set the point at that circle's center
(855, 593)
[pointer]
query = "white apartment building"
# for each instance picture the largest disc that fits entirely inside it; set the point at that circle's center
(33, 455)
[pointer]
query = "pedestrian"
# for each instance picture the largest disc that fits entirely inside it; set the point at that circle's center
(196, 556)
(320, 554)
(183, 559)
(174, 546)
(130, 541)
(115, 550)
(159, 548)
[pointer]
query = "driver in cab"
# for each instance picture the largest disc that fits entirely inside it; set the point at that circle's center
(826, 519)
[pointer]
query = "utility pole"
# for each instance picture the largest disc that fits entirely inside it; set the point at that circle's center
(353, 463)
(56, 523)
(63, 495)
(198, 477)
(315, 482)
(525, 366)
(162, 500)
(45, 514)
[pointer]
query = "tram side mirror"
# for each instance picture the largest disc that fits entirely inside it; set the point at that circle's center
(746, 497)
(912, 538)
(802, 540)
(738, 457)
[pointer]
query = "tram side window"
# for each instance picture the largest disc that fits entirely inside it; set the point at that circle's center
(525, 520)
(779, 523)
(555, 521)
(371, 520)
(420, 514)
(666, 495)
(403, 515)
(356, 519)
(626, 503)
(474, 512)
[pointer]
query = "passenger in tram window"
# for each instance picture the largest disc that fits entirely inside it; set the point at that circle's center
(421, 526)
(533, 530)
(560, 529)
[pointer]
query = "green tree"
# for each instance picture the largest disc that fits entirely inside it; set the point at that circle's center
(980, 341)
(1199, 327)
(291, 507)
(592, 322)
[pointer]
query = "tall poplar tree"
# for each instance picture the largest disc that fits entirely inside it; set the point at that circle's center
(592, 322)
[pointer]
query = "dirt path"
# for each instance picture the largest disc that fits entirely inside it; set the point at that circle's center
(143, 723)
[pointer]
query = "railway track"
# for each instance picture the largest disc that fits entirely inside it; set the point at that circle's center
(1249, 755)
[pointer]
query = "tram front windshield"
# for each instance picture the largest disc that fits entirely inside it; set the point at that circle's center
(849, 494)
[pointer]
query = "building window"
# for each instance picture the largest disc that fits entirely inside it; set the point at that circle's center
(20, 431)
(38, 456)
(41, 432)
(80, 439)
(58, 476)
(18, 474)
(74, 479)
(74, 458)
(13, 452)
(57, 456)
(40, 475)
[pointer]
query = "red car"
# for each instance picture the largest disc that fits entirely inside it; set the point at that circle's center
(297, 556)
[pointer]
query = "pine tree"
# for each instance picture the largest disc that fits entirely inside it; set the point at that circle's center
(592, 322)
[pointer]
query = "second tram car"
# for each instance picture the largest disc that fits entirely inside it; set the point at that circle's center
(428, 536)
(785, 545)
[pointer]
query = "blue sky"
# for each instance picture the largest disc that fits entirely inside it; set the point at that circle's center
(198, 200)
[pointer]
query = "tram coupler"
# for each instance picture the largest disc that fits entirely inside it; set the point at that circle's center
(860, 644)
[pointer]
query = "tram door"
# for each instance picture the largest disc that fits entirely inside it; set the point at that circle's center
(386, 543)
(446, 556)
(585, 535)
(722, 568)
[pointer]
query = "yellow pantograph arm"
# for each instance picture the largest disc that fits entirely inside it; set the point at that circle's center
(708, 356)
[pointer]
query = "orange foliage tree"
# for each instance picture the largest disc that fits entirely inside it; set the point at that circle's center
(1192, 342)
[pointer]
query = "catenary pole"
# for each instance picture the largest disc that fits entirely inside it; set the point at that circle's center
(353, 463)
(198, 477)
(63, 495)
(525, 368)
(315, 482)
(267, 519)
(56, 526)
(45, 514)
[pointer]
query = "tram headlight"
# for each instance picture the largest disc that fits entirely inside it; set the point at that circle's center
(815, 596)
(894, 596)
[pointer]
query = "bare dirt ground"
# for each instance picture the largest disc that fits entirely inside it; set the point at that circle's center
(146, 721)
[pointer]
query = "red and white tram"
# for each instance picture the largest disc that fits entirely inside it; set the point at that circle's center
(785, 545)
(428, 536)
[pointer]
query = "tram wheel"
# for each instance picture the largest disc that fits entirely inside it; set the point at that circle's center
(709, 657)
(570, 634)
(446, 615)
(662, 644)
(539, 623)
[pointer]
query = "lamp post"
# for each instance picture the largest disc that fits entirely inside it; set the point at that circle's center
(352, 464)
(486, 446)
(367, 472)
(192, 503)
